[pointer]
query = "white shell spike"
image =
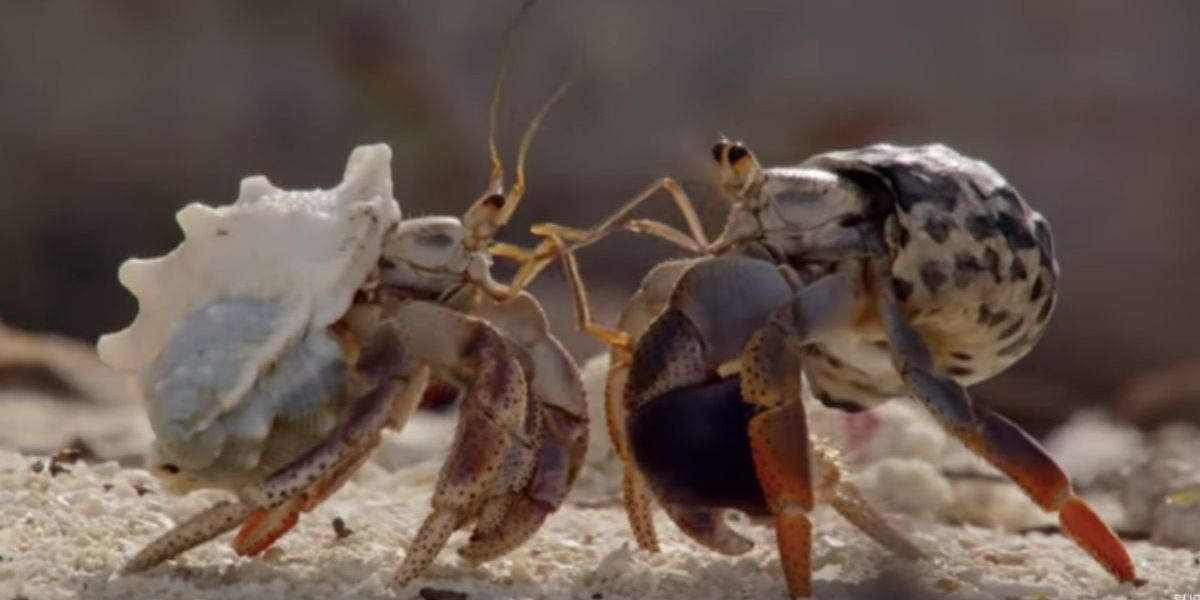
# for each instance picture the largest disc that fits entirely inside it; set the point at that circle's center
(244, 293)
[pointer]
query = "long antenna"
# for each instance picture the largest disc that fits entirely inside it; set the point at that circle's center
(496, 181)
(518, 189)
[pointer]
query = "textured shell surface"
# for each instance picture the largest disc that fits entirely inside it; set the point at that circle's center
(973, 267)
(230, 344)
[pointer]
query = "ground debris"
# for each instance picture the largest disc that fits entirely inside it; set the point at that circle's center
(341, 529)
(428, 593)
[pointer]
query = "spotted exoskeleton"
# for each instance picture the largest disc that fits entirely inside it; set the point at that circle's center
(875, 273)
(290, 328)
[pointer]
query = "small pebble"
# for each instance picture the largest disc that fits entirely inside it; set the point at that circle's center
(340, 529)
(428, 593)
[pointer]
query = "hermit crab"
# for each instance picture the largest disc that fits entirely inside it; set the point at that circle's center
(290, 328)
(859, 275)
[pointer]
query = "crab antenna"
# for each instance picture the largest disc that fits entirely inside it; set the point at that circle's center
(496, 181)
(518, 189)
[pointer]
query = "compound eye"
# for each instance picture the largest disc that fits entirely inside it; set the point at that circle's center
(495, 201)
(737, 152)
(718, 149)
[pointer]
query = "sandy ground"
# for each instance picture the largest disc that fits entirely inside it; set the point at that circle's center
(66, 534)
(65, 531)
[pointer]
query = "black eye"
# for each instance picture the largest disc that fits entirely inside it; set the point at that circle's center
(717, 150)
(737, 152)
(172, 469)
(495, 201)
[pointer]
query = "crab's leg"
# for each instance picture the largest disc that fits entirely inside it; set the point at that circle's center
(268, 510)
(534, 261)
(558, 407)
(847, 499)
(558, 460)
(779, 438)
(994, 437)
(639, 503)
(653, 294)
(491, 536)
(694, 241)
(219, 518)
(493, 410)
(310, 479)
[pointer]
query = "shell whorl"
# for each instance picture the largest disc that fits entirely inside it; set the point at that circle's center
(303, 253)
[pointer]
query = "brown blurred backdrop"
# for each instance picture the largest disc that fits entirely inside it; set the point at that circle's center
(113, 115)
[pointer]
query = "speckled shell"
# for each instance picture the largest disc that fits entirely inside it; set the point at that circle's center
(973, 267)
(230, 344)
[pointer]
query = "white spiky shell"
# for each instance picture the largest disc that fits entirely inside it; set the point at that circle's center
(237, 312)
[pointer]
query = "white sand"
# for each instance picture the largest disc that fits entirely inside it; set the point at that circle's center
(66, 535)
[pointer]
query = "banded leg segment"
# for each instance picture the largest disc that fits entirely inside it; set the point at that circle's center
(995, 438)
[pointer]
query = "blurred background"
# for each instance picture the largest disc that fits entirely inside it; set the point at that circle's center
(116, 115)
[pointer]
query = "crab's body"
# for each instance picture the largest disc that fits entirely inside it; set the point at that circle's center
(875, 273)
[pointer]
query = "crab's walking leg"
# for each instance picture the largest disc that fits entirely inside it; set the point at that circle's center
(694, 241)
(534, 261)
(492, 410)
(779, 438)
(652, 295)
(994, 437)
(219, 518)
(847, 499)
(497, 525)
(557, 405)
(613, 338)
(558, 459)
(310, 479)
(269, 509)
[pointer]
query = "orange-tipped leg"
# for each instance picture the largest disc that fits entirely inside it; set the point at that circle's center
(998, 440)
(1080, 522)
(263, 527)
(780, 446)
(1021, 458)
(793, 534)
